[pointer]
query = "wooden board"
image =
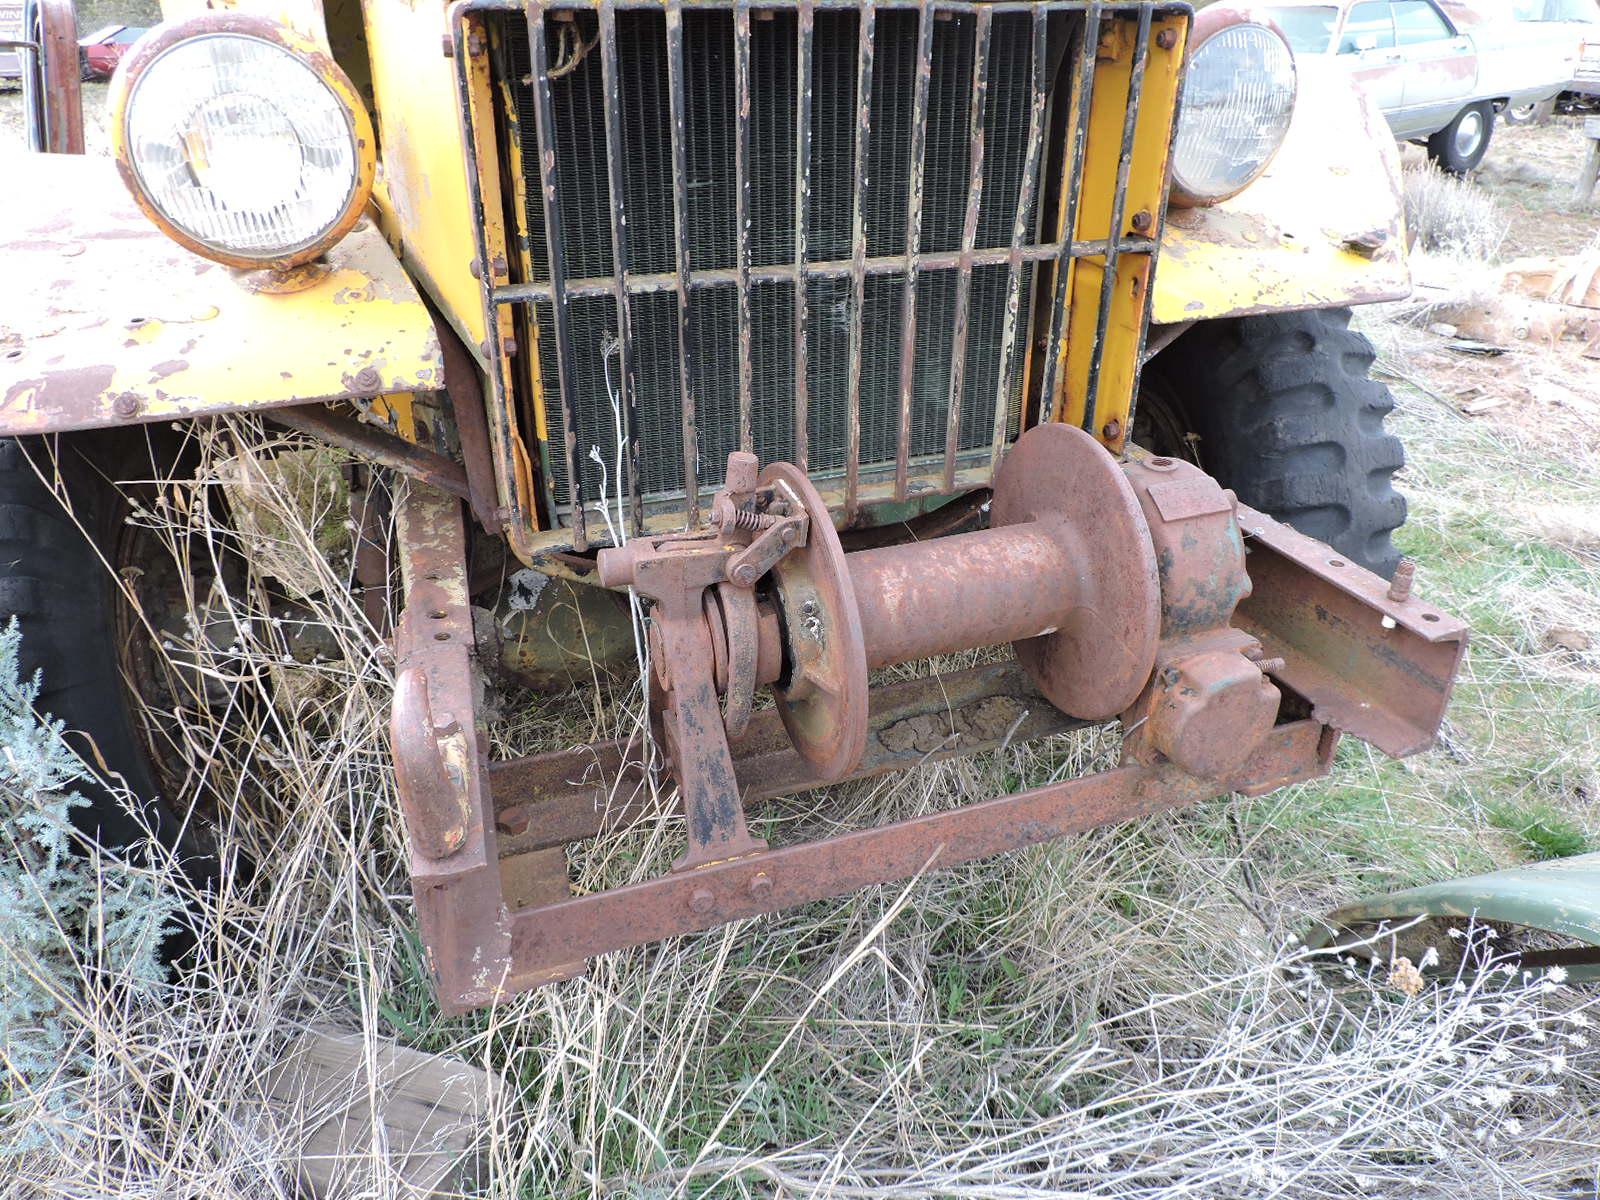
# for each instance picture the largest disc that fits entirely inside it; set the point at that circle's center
(352, 1105)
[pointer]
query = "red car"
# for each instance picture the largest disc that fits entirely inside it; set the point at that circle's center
(102, 50)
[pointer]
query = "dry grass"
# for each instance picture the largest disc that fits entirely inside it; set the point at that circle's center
(1125, 1014)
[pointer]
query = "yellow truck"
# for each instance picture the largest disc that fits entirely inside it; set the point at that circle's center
(821, 335)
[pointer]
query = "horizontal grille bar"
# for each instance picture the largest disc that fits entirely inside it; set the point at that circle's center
(842, 268)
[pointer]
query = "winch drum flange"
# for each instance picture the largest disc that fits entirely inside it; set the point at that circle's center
(1066, 572)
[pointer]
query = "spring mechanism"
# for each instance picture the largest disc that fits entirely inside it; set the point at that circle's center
(746, 519)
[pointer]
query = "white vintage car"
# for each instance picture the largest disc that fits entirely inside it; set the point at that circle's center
(1439, 71)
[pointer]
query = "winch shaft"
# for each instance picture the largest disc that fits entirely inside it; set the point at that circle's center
(954, 593)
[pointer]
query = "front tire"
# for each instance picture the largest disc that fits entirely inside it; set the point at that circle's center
(1283, 410)
(1460, 146)
(56, 577)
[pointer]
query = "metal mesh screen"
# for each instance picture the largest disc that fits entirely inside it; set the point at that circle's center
(574, 53)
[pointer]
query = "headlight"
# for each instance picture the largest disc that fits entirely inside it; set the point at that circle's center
(242, 140)
(1237, 103)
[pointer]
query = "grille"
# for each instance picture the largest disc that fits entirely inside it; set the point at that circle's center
(768, 229)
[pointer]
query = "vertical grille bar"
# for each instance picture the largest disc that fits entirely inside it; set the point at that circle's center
(908, 326)
(858, 255)
(805, 36)
(616, 150)
(969, 240)
(741, 216)
(1119, 212)
(1087, 54)
(556, 247)
(1019, 231)
(680, 244)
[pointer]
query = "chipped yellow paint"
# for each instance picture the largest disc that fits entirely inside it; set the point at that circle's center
(397, 411)
(423, 202)
(1324, 226)
(304, 16)
(1147, 181)
(106, 320)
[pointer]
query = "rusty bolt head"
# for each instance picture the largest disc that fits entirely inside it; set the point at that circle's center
(512, 821)
(475, 269)
(761, 885)
(125, 405)
(1112, 430)
(1400, 585)
(702, 901)
(511, 347)
(745, 575)
(447, 46)
(368, 380)
(1167, 39)
(787, 534)
(1142, 221)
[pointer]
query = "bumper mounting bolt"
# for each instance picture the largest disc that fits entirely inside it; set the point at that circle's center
(1400, 585)
(512, 821)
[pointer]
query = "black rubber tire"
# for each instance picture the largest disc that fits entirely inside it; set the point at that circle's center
(1530, 114)
(1442, 146)
(54, 579)
(1283, 410)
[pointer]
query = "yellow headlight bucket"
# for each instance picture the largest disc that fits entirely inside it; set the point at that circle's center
(238, 204)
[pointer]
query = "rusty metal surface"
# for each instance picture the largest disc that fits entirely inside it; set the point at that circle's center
(439, 766)
(464, 386)
(104, 320)
(1376, 667)
(762, 883)
(1323, 227)
(398, 454)
(569, 795)
(1099, 658)
(1209, 703)
(824, 702)
(51, 77)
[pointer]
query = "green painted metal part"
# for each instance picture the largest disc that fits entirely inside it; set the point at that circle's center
(1561, 896)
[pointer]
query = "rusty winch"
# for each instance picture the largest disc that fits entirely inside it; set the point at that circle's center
(1094, 570)
(1234, 651)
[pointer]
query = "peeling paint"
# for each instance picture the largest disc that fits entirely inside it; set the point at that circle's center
(138, 319)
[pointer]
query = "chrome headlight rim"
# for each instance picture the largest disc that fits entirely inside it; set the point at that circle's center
(164, 38)
(1209, 23)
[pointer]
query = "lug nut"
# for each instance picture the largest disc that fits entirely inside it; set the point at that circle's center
(1400, 585)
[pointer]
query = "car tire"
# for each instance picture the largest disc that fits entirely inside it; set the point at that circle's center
(1530, 114)
(1283, 409)
(1460, 146)
(54, 579)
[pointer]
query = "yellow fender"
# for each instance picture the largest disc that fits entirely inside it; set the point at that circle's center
(105, 320)
(1324, 227)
